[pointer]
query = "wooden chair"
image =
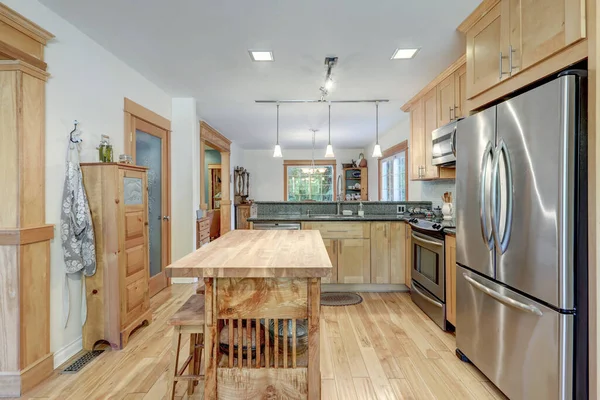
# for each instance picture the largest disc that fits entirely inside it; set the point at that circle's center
(189, 319)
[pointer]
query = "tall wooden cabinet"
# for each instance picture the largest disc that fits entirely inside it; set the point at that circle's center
(451, 279)
(356, 184)
(117, 295)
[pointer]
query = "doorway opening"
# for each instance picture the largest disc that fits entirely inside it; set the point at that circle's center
(215, 193)
(213, 186)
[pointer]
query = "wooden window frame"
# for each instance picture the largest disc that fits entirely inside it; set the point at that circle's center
(300, 163)
(400, 147)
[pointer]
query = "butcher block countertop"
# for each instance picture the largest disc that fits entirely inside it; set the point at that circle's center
(257, 254)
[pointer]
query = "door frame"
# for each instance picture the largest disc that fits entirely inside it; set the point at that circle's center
(139, 117)
(211, 137)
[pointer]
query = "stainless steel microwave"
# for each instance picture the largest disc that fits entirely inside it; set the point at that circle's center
(443, 142)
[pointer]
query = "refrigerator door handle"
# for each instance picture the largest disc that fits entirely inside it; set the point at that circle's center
(485, 231)
(502, 242)
(502, 298)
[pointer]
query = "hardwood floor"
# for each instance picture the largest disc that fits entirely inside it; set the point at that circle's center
(383, 348)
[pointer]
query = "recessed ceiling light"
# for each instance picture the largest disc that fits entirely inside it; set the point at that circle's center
(261, 55)
(403, 54)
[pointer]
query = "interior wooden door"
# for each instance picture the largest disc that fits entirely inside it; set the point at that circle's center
(331, 246)
(417, 149)
(540, 28)
(430, 120)
(445, 99)
(485, 42)
(150, 148)
(354, 260)
(380, 252)
(460, 92)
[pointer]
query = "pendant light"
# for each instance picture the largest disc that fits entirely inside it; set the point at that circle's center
(329, 150)
(377, 148)
(277, 151)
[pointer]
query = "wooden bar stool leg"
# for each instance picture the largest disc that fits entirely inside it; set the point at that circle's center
(174, 362)
(192, 365)
(198, 354)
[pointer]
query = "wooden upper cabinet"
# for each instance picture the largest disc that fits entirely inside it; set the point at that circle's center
(484, 45)
(445, 99)
(515, 35)
(460, 92)
(430, 119)
(540, 28)
(416, 143)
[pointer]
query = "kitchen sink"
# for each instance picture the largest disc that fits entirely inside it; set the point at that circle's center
(332, 216)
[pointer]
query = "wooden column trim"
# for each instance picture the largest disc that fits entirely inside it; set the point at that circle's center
(21, 236)
(18, 65)
(25, 355)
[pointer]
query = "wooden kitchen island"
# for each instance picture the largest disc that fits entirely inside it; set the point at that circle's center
(270, 281)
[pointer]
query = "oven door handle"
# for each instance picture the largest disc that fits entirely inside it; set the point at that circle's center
(507, 301)
(422, 239)
(425, 297)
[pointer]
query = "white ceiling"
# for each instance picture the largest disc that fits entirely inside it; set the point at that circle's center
(199, 48)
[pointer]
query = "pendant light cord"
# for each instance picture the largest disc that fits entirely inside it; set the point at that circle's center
(329, 123)
(376, 122)
(277, 123)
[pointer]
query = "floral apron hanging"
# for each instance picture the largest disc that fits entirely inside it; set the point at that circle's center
(77, 232)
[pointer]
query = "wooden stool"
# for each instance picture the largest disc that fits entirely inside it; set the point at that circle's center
(189, 319)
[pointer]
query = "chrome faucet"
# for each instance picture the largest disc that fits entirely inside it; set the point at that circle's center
(339, 194)
(339, 207)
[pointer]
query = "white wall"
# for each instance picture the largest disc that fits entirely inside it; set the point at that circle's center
(266, 172)
(184, 136)
(417, 190)
(88, 84)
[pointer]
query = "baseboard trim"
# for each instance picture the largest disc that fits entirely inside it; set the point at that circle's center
(15, 384)
(363, 287)
(63, 354)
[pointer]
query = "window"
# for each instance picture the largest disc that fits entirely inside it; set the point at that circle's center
(303, 182)
(393, 173)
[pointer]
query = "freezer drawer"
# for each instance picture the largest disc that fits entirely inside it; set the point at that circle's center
(523, 347)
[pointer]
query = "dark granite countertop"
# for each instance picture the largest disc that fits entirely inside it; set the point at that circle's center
(329, 218)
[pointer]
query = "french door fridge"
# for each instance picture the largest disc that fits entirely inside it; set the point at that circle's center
(521, 243)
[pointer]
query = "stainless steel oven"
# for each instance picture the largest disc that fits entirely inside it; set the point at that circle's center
(428, 286)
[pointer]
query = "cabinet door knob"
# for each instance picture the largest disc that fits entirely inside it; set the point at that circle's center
(166, 218)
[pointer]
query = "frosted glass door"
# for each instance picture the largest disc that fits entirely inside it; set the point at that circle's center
(149, 154)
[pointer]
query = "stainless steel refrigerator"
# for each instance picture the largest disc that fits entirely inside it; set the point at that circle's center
(521, 242)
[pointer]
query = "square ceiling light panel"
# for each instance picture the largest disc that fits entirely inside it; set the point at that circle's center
(404, 54)
(261, 55)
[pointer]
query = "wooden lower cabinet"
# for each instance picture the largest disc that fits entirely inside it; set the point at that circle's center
(202, 231)
(388, 247)
(331, 245)
(451, 279)
(354, 260)
(349, 249)
(242, 213)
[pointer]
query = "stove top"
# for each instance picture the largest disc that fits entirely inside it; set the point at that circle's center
(434, 225)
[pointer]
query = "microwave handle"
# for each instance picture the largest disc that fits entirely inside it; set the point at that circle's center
(453, 141)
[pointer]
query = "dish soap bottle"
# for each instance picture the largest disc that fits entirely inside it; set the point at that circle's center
(361, 212)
